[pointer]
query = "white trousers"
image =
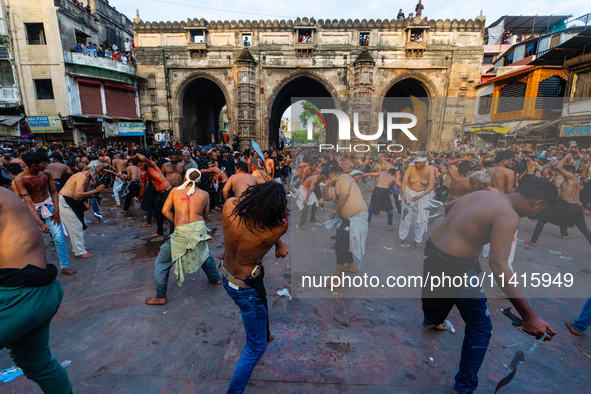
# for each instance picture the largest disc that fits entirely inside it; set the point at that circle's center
(408, 219)
(117, 186)
(74, 227)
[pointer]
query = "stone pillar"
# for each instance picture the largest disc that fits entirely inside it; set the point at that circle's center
(246, 99)
(362, 103)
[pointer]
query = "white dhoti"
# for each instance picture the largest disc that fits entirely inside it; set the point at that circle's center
(302, 193)
(117, 186)
(414, 213)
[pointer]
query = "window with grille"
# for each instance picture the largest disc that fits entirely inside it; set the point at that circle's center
(484, 103)
(582, 90)
(550, 93)
(512, 97)
(6, 74)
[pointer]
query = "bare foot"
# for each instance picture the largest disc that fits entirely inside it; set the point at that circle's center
(219, 282)
(117, 205)
(98, 221)
(304, 227)
(155, 301)
(350, 268)
(530, 244)
(124, 212)
(222, 256)
(271, 337)
(335, 284)
(87, 249)
(586, 212)
(316, 221)
(68, 271)
(400, 242)
(155, 236)
(439, 327)
(368, 224)
(85, 256)
(572, 329)
(566, 237)
(390, 228)
(418, 245)
(146, 225)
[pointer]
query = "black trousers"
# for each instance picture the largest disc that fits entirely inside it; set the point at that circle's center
(160, 200)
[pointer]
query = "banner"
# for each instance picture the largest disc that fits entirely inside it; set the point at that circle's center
(575, 131)
(45, 124)
(131, 129)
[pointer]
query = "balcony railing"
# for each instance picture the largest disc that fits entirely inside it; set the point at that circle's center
(98, 62)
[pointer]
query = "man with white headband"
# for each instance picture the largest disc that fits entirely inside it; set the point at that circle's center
(417, 184)
(187, 207)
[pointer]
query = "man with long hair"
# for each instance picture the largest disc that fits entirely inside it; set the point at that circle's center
(252, 225)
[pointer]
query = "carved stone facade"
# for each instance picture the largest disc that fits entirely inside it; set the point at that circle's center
(342, 59)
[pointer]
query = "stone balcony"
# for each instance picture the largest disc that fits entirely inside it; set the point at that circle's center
(98, 62)
(77, 13)
(415, 49)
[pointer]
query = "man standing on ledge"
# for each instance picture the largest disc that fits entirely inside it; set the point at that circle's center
(471, 222)
(417, 184)
(30, 296)
(252, 225)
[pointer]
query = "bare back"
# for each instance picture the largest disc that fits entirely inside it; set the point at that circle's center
(57, 170)
(501, 178)
(346, 186)
(238, 183)
(467, 225)
(21, 242)
(120, 165)
(188, 209)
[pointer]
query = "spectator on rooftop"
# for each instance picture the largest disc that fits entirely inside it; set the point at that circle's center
(400, 15)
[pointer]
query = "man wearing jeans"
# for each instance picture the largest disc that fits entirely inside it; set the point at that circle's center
(30, 296)
(583, 322)
(36, 187)
(471, 222)
(187, 247)
(252, 225)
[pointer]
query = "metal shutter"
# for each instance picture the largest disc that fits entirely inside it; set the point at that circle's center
(511, 97)
(550, 93)
(90, 96)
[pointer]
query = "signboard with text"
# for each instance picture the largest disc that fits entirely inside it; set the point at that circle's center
(575, 131)
(131, 129)
(45, 124)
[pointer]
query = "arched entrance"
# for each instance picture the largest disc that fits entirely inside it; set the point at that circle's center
(310, 88)
(201, 104)
(411, 96)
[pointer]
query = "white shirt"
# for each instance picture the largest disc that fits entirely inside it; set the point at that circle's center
(127, 46)
(114, 47)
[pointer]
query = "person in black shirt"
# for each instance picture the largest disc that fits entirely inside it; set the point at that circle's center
(162, 158)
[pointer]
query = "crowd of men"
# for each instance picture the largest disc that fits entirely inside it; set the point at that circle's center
(49, 187)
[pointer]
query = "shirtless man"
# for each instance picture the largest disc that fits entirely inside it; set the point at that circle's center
(480, 180)
(585, 174)
(309, 198)
(30, 296)
(57, 168)
(352, 210)
(162, 186)
(269, 164)
(174, 170)
(72, 207)
(120, 167)
(35, 186)
(251, 227)
(471, 222)
(81, 161)
(103, 158)
(239, 182)
(460, 184)
(501, 175)
(380, 197)
(417, 183)
(187, 207)
(569, 213)
(133, 176)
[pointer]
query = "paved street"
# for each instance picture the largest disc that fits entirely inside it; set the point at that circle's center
(117, 344)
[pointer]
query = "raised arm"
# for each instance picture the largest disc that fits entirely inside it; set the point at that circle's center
(148, 162)
(560, 168)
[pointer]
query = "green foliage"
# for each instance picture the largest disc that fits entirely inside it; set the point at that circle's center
(301, 137)
(306, 114)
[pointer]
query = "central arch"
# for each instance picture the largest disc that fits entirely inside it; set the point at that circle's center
(200, 101)
(304, 85)
(411, 94)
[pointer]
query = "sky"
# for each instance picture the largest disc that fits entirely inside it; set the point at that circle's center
(177, 10)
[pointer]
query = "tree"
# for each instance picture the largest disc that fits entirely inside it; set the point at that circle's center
(307, 114)
(301, 137)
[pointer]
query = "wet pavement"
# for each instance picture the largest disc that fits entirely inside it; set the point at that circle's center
(117, 344)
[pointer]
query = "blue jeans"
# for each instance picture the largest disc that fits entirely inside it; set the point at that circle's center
(254, 319)
(370, 212)
(584, 321)
(94, 204)
(163, 264)
(58, 238)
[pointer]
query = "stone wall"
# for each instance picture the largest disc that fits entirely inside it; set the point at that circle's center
(447, 64)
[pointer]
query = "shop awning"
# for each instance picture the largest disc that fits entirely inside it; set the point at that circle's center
(10, 120)
(495, 129)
